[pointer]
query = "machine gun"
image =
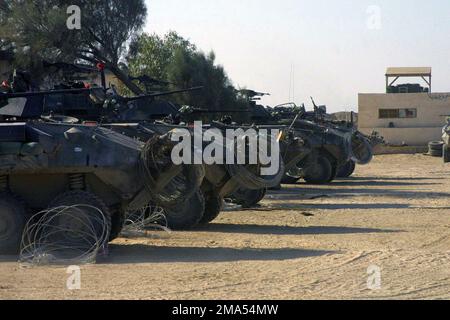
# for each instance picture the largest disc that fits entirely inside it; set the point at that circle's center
(191, 110)
(319, 111)
(161, 94)
(288, 111)
(251, 95)
(189, 114)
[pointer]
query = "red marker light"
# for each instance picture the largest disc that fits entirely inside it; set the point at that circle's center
(100, 66)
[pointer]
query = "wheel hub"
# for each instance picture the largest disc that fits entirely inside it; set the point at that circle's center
(295, 172)
(316, 170)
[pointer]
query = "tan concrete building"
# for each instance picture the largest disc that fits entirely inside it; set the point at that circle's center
(401, 118)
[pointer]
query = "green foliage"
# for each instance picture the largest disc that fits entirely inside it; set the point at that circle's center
(176, 60)
(152, 55)
(38, 28)
(34, 34)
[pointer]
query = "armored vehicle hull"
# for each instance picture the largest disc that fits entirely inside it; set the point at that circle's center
(46, 164)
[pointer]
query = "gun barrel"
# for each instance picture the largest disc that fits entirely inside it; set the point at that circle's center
(313, 102)
(42, 93)
(160, 94)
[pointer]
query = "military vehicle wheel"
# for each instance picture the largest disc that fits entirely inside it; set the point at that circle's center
(73, 198)
(320, 172)
(293, 175)
(213, 207)
(248, 198)
(250, 177)
(13, 218)
(186, 215)
(290, 180)
(361, 149)
(347, 170)
(334, 172)
(117, 224)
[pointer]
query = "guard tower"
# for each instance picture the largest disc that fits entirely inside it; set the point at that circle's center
(407, 114)
(397, 73)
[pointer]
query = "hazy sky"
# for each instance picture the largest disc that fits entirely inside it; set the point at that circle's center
(338, 47)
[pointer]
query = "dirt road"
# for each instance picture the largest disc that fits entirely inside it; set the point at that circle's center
(392, 219)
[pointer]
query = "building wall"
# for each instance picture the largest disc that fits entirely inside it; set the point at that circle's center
(407, 136)
(432, 112)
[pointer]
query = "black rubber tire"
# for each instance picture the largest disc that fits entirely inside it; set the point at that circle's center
(186, 215)
(289, 180)
(347, 170)
(181, 187)
(436, 148)
(117, 224)
(435, 145)
(359, 144)
(436, 153)
(293, 175)
(13, 218)
(213, 207)
(72, 198)
(320, 173)
(250, 180)
(334, 172)
(248, 198)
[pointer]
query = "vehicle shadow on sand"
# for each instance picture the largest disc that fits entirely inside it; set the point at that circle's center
(287, 231)
(8, 258)
(124, 254)
(137, 253)
(296, 193)
(374, 183)
(364, 178)
(279, 204)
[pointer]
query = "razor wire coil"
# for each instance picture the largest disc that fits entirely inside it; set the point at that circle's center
(139, 222)
(65, 235)
(180, 187)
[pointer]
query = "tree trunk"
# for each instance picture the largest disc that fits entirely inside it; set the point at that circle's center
(125, 79)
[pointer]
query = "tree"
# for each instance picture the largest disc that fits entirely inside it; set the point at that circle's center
(38, 28)
(196, 69)
(152, 54)
(176, 60)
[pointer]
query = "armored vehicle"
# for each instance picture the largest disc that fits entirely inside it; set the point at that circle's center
(136, 118)
(361, 145)
(332, 147)
(54, 161)
(221, 180)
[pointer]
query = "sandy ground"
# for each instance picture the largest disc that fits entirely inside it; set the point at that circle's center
(303, 243)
